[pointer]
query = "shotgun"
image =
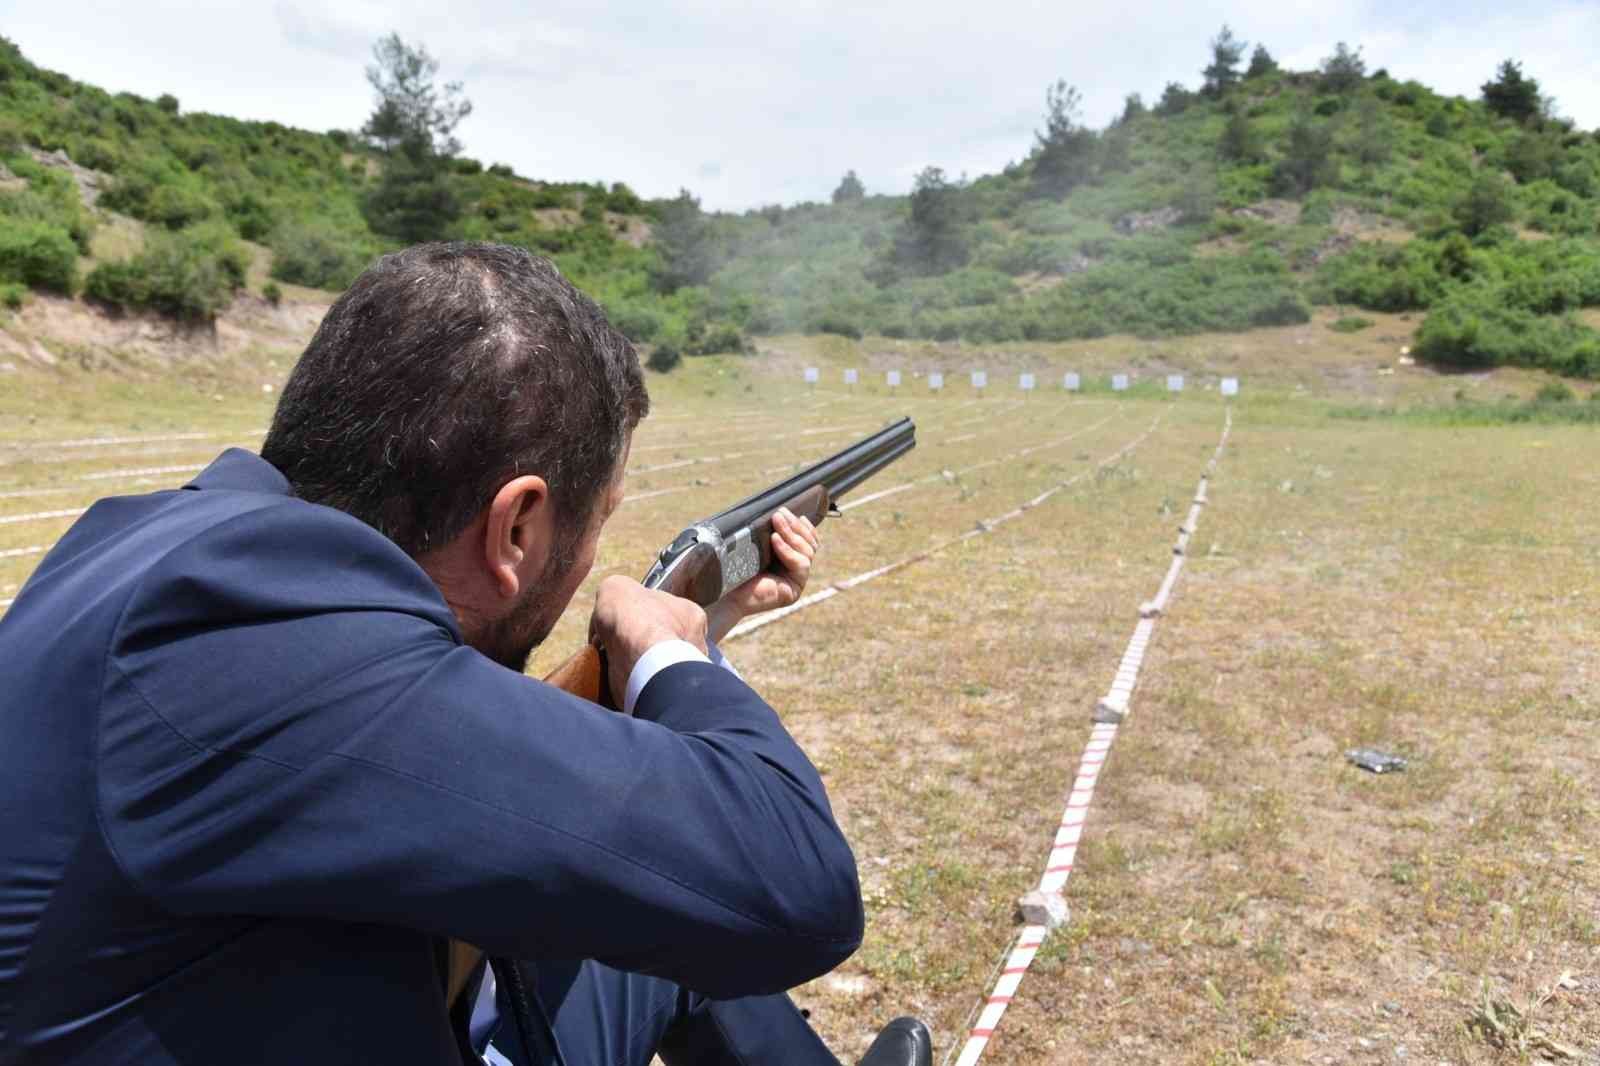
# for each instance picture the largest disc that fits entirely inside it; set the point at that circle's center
(710, 559)
(716, 555)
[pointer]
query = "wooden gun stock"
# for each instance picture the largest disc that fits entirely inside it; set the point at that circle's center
(585, 676)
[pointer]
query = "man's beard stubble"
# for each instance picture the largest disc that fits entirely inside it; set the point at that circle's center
(511, 639)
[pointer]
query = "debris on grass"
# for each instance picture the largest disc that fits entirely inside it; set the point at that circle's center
(1504, 1025)
(1379, 762)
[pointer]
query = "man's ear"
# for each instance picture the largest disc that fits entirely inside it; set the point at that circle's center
(518, 531)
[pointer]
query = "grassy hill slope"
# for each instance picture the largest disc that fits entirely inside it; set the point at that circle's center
(1240, 207)
(1383, 195)
(137, 204)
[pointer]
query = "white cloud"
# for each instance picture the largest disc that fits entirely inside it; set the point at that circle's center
(782, 100)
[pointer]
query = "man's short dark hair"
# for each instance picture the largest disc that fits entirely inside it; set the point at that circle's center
(442, 373)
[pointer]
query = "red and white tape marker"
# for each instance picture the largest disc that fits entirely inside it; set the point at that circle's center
(1047, 900)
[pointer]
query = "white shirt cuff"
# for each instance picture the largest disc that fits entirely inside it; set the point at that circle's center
(658, 658)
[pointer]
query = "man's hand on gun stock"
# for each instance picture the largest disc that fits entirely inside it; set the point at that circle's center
(629, 619)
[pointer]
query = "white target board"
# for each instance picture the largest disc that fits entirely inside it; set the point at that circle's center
(935, 380)
(980, 379)
(850, 377)
(1230, 386)
(1025, 382)
(1071, 382)
(1174, 382)
(893, 378)
(1119, 383)
(811, 375)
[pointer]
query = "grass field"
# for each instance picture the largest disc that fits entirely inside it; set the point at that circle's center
(1242, 894)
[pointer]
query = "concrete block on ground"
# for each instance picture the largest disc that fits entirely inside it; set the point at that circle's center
(1048, 909)
(1110, 710)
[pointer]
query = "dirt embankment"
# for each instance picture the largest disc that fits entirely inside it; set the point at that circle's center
(52, 331)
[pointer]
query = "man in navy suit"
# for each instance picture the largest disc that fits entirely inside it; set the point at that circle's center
(266, 747)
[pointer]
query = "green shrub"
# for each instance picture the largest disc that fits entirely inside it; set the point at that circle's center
(1472, 330)
(623, 200)
(837, 324)
(1555, 392)
(1470, 413)
(1351, 324)
(715, 338)
(306, 254)
(664, 359)
(635, 320)
(1381, 277)
(189, 275)
(13, 295)
(51, 196)
(252, 216)
(1486, 204)
(160, 191)
(272, 293)
(37, 254)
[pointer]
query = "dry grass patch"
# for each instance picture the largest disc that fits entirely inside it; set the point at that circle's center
(1242, 893)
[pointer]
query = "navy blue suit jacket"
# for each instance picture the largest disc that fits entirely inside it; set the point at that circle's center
(250, 778)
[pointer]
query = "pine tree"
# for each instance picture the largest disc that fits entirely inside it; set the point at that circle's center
(934, 239)
(685, 243)
(1343, 71)
(1307, 161)
(1064, 155)
(850, 190)
(1223, 73)
(1511, 95)
(413, 124)
(1261, 63)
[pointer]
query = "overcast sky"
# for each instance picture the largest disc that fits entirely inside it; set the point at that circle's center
(747, 106)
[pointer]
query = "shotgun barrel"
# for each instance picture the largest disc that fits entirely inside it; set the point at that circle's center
(714, 556)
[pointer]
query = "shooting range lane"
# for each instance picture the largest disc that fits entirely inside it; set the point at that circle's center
(985, 526)
(1019, 453)
(854, 430)
(927, 449)
(31, 446)
(647, 493)
(1045, 908)
(94, 482)
(783, 415)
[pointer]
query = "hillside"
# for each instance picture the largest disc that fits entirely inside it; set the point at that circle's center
(137, 204)
(1224, 211)
(1239, 205)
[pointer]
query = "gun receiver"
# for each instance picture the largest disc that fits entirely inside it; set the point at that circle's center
(712, 557)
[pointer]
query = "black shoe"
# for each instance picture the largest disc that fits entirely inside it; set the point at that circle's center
(903, 1042)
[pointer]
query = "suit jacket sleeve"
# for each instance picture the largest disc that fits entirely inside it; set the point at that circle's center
(316, 742)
